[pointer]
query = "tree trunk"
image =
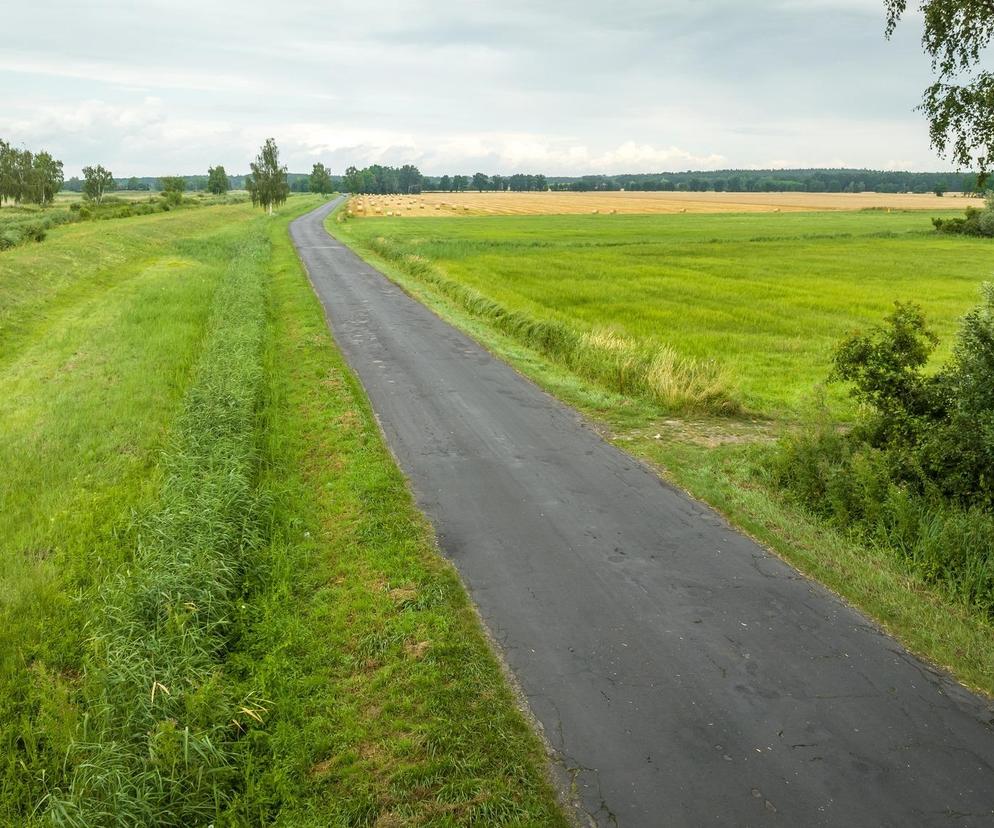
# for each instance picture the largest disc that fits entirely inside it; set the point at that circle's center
(270, 207)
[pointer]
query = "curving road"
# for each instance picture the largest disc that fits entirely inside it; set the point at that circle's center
(682, 674)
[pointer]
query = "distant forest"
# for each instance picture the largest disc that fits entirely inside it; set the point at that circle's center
(408, 179)
(299, 183)
(777, 181)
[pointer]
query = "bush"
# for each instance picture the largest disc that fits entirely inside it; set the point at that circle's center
(916, 474)
(974, 223)
(10, 237)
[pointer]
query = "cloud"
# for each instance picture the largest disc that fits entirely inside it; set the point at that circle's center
(562, 86)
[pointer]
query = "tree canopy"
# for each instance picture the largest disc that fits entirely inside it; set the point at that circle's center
(28, 177)
(173, 187)
(217, 180)
(960, 104)
(380, 179)
(97, 182)
(320, 180)
(267, 183)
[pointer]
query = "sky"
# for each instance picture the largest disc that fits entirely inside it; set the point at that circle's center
(161, 87)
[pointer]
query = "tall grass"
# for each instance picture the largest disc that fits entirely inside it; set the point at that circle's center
(160, 717)
(850, 486)
(602, 355)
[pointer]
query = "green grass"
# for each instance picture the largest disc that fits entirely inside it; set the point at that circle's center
(27, 223)
(824, 272)
(762, 297)
(219, 603)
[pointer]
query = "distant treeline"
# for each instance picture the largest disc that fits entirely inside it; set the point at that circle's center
(408, 179)
(194, 183)
(381, 179)
(776, 181)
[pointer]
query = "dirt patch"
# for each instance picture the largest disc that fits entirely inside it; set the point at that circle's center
(416, 650)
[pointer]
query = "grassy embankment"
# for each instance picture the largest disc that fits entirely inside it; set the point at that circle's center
(26, 223)
(219, 604)
(753, 304)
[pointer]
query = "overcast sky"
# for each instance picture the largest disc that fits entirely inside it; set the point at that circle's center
(152, 87)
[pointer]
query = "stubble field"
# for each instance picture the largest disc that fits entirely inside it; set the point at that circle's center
(569, 203)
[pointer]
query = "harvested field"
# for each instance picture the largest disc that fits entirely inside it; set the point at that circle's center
(556, 203)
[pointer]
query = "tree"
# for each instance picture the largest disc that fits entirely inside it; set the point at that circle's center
(481, 181)
(96, 182)
(459, 183)
(47, 178)
(960, 104)
(22, 174)
(320, 181)
(217, 180)
(940, 188)
(445, 183)
(352, 181)
(173, 187)
(8, 178)
(267, 183)
(409, 179)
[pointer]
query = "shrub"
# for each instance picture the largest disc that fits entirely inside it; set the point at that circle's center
(10, 237)
(974, 223)
(916, 474)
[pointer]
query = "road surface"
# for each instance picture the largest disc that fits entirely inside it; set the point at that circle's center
(681, 674)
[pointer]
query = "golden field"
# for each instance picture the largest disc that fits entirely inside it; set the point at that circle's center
(555, 203)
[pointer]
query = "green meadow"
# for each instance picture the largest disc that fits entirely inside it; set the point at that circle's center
(695, 342)
(218, 604)
(763, 297)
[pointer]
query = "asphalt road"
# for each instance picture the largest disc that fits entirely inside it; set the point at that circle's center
(684, 675)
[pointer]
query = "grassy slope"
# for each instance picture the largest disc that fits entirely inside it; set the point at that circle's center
(88, 392)
(719, 460)
(767, 295)
(328, 627)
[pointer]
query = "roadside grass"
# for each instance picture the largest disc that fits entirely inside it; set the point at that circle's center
(219, 603)
(386, 705)
(758, 299)
(720, 460)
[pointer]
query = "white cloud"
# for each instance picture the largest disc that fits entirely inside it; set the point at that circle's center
(562, 86)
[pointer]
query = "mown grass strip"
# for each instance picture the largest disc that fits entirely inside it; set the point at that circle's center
(154, 745)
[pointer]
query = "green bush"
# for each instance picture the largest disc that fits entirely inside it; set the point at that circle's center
(11, 237)
(975, 222)
(916, 473)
